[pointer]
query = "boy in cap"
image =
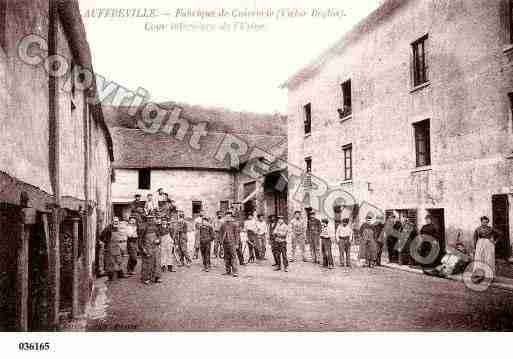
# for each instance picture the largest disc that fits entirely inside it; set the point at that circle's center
(327, 233)
(230, 236)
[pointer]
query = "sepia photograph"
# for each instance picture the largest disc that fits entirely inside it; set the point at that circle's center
(255, 166)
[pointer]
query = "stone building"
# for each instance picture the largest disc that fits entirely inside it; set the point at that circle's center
(55, 165)
(197, 176)
(412, 111)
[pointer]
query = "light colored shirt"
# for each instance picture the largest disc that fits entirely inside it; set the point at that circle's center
(344, 231)
(250, 225)
(261, 228)
(281, 231)
(297, 227)
(328, 230)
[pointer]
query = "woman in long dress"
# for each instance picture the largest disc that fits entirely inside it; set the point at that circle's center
(166, 247)
(485, 238)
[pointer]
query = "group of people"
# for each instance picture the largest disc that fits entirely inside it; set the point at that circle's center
(157, 232)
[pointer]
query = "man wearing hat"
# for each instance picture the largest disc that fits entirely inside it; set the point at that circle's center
(150, 249)
(230, 236)
(313, 231)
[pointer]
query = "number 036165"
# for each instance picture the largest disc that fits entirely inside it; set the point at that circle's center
(26, 346)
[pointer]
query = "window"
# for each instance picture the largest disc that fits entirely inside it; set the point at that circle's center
(348, 162)
(144, 178)
(346, 109)
(308, 164)
(196, 207)
(308, 170)
(419, 61)
(307, 111)
(422, 143)
(223, 206)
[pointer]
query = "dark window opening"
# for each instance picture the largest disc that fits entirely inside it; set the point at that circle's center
(308, 170)
(307, 109)
(144, 178)
(346, 109)
(223, 206)
(422, 143)
(419, 61)
(196, 208)
(348, 162)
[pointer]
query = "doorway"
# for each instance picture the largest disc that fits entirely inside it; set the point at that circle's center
(500, 222)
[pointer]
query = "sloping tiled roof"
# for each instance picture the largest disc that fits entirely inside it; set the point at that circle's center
(218, 119)
(134, 148)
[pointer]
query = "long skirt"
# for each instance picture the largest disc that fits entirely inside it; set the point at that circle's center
(166, 247)
(485, 254)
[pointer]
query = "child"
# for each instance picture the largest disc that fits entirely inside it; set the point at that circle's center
(344, 236)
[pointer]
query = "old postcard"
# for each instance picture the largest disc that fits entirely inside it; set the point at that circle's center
(255, 166)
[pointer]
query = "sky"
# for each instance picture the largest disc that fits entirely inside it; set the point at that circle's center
(241, 69)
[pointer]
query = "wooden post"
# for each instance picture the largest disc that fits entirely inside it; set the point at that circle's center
(54, 271)
(29, 218)
(75, 309)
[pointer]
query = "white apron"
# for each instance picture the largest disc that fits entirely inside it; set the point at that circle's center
(485, 253)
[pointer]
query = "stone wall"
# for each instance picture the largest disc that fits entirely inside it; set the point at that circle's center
(470, 72)
(183, 186)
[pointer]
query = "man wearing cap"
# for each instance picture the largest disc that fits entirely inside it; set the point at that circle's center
(112, 237)
(150, 249)
(344, 238)
(298, 230)
(206, 234)
(197, 224)
(281, 232)
(368, 245)
(313, 233)
(137, 208)
(180, 237)
(230, 236)
(216, 225)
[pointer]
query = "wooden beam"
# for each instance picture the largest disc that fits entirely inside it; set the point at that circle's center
(75, 308)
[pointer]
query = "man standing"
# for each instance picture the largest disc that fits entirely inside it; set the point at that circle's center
(298, 229)
(137, 208)
(150, 249)
(368, 245)
(392, 229)
(206, 234)
(250, 227)
(180, 236)
(431, 253)
(379, 235)
(112, 237)
(132, 245)
(281, 232)
(344, 236)
(230, 236)
(272, 238)
(197, 224)
(313, 233)
(261, 232)
(218, 246)
(150, 207)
